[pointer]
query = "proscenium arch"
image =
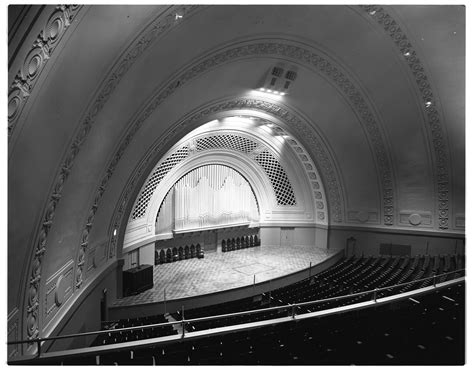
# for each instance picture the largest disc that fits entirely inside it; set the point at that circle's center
(261, 186)
(307, 185)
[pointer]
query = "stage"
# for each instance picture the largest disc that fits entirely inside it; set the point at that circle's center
(223, 271)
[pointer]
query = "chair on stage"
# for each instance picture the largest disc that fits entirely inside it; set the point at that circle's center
(224, 246)
(180, 253)
(169, 255)
(175, 254)
(187, 254)
(193, 251)
(200, 252)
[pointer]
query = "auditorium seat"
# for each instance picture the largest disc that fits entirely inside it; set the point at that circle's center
(413, 331)
(224, 245)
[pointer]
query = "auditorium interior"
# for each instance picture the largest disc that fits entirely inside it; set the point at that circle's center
(236, 185)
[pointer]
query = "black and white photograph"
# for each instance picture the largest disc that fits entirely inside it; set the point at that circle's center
(235, 184)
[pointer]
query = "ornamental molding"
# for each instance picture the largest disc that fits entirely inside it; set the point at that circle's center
(162, 24)
(431, 113)
(36, 60)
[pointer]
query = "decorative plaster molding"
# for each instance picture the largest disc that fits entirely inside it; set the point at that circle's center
(35, 61)
(460, 221)
(59, 288)
(13, 332)
(432, 115)
(157, 28)
(363, 216)
(416, 218)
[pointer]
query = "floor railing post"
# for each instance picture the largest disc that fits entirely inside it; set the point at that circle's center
(182, 321)
(38, 341)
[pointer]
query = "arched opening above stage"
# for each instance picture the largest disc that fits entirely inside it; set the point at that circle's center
(285, 184)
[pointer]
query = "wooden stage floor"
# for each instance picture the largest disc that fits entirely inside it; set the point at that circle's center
(222, 271)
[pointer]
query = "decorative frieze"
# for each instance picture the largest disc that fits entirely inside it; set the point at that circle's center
(59, 288)
(416, 218)
(429, 104)
(36, 59)
(363, 216)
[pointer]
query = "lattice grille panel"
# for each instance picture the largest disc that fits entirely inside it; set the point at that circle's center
(159, 173)
(280, 182)
(226, 141)
(278, 178)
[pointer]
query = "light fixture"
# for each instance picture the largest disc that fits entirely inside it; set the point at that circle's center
(372, 12)
(406, 54)
(178, 16)
(115, 232)
(278, 79)
(428, 103)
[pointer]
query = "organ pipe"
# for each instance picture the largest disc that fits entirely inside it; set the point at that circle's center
(207, 197)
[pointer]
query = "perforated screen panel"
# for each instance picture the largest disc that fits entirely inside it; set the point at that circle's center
(159, 173)
(277, 175)
(226, 141)
(283, 191)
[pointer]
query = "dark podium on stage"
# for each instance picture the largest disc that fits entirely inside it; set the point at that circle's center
(137, 280)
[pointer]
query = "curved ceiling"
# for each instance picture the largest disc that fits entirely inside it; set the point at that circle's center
(98, 94)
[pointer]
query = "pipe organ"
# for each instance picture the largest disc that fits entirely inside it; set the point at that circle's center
(209, 197)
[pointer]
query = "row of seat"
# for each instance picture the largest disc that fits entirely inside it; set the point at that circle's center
(113, 337)
(167, 255)
(349, 275)
(426, 329)
(240, 243)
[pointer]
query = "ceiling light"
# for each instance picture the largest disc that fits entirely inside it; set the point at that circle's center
(372, 12)
(115, 232)
(406, 54)
(282, 93)
(428, 103)
(178, 16)
(262, 89)
(269, 90)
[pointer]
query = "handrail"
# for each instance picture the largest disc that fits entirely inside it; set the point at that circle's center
(374, 292)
